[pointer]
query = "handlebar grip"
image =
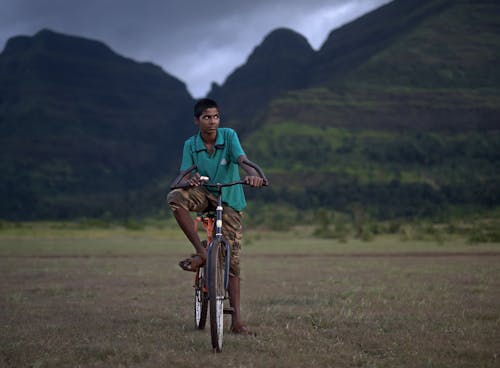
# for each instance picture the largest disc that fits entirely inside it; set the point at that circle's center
(256, 168)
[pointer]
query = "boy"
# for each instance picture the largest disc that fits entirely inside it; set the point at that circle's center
(218, 154)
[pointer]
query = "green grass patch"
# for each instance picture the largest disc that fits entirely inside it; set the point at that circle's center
(350, 238)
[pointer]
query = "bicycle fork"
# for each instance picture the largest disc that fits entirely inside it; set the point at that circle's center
(220, 240)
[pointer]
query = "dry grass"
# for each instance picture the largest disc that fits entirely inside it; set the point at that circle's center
(133, 308)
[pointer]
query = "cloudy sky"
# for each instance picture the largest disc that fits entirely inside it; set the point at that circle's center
(196, 41)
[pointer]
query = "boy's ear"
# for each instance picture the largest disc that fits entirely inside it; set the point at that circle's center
(196, 121)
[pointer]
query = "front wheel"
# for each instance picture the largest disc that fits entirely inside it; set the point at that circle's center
(200, 300)
(216, 293)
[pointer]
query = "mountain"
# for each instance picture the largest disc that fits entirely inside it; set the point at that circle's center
(418, 65)
(411, 64)
(277, 65)
(353, 44)
(399, 116)
(396, 115)
(82, 126)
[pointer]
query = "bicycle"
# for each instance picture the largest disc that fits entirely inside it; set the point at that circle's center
(212, 279)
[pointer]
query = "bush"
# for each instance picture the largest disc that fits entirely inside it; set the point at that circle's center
(278, 217)
(323, 220)
(482, 232)
(133, 225)
(90, 223)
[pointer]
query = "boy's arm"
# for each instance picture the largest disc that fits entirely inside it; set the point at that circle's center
(191, 181)
(253, 178)
(187, 179)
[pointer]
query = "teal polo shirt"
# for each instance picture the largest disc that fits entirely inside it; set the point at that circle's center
(221, 166)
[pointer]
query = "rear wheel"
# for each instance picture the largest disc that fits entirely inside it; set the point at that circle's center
(216, 293)
(200, 300)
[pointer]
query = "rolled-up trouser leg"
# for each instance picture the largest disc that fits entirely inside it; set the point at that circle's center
(199, 199)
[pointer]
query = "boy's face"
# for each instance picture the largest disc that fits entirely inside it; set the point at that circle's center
(208, 121)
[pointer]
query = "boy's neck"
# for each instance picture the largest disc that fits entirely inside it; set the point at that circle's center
(209, 138)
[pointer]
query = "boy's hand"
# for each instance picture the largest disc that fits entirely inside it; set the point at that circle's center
(254, 181)
(195, 181)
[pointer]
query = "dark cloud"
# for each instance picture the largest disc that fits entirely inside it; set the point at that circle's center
(196, 41)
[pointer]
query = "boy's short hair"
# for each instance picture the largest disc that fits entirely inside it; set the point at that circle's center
(203, 104)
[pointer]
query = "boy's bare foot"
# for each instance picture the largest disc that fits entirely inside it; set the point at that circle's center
(193, 263)
(242, 330)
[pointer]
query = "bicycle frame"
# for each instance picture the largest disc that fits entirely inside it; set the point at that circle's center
(218, 235)
(207, 223)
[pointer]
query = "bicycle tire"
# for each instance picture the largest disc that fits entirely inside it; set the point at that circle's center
(216, 294)
(200, 300)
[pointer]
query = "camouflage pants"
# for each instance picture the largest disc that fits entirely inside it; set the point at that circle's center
(199, 199)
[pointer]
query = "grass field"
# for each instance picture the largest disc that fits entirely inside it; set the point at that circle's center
(116, 298)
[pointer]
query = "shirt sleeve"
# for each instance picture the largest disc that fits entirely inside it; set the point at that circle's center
(235, 148)
(187, 156)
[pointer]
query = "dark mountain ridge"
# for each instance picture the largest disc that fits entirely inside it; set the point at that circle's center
(80, 121)
(419, 65)
(49, 41)
(279, 63)
(356, 42)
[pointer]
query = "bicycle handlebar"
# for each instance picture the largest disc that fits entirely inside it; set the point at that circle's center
(176, 183)
(223, 185)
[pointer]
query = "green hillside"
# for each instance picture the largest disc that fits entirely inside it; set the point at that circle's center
(384, 173)
(437, 72)
(353, 44)
(406, 125)
(83, 128)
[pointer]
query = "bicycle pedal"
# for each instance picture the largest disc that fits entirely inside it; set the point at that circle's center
(229, 310)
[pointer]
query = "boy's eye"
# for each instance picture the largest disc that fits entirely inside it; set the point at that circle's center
(208, 117)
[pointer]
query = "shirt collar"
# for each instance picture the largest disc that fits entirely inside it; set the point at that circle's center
(219, 141)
